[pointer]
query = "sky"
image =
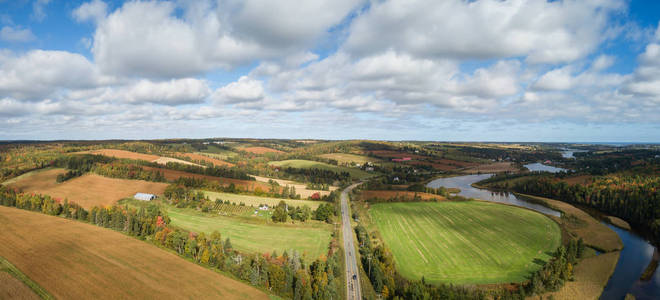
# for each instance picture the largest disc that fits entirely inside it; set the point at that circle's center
(453, 70)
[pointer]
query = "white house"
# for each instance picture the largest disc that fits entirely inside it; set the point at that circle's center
(144, 196)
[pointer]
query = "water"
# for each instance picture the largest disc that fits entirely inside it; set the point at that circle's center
(568, 153)
(633, 260)
(464, 184)
(541, 167)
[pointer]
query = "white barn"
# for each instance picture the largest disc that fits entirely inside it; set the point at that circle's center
(144, 196)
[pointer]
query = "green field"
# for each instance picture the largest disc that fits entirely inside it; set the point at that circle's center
(257, 237)
(349, 158)
(465, 242)
(256, 200)
(309, 164)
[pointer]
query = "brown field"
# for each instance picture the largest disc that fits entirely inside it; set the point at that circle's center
(492, 168)
(301, 188)
(12, 288)
(408, 195)
(215, 162)
(249, 185)
(124, 154)
(138, 156)
(75, 260)
(261, 150)
(88, 190)
(580, 224)
(591, 274)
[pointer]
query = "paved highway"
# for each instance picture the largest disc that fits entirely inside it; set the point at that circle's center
(352, 276)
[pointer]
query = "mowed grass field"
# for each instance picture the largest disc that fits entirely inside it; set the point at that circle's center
(349, 158)
(88, 190)
(256, 200)
(470, 242)
(257, 236)
(308, 164)
(74, 260)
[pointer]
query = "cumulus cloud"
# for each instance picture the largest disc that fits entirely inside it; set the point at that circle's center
(37, 74)
(541, 31)
(173, 92)
(16, 34)
(244, 90)
(150, 39)
(91, 11)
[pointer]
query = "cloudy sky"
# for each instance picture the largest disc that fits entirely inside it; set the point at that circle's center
(537, 70)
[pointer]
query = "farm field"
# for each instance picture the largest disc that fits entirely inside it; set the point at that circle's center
(347, 158)
(257, 237)
(406, 195)
(12, 288)
(88, 190)
(308, 164)
(260, 150)
(301, 188)
(256, 200)
(492, 168)
(249, 185)
(74, 260)
(200, 157)
(138, 156)
(469, 242)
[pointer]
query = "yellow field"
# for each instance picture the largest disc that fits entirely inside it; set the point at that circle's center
(346, 158)
(75, 260)
(256, 200)
(301, 188)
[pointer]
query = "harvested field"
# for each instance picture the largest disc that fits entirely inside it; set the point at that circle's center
(247, 185)
(581, 224)
(138, 156)
(258, 236)
(400, 195)
(301, 188)
(88, 190)
(591, 274)
(347, 158)
(497, 167)
(75, 260)
(260, 150)
(44, 179)
(12, 288)
(256, 200)
(308, 164)
(467, 242)
(199, 157)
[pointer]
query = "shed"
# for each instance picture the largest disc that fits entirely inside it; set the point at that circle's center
(144, 196)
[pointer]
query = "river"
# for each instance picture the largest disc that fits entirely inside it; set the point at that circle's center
(634, 258)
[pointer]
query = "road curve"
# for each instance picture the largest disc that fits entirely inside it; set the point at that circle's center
(353, 291)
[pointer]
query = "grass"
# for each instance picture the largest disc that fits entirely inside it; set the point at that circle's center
(256, 200)
(75, 260)
(20, 289)
(308, 164)
(590, 277)
(470, 242)
(257, 236)
(346, 158)
(88, 190)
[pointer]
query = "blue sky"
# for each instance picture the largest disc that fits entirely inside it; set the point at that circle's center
(489, 70)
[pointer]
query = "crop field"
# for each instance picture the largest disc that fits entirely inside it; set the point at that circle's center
(469, 242)
(308, 164)
(401, 195)
(312, 240)
(88, 190)
(347, 158)
(260, 150)
(301, 188)
(200, 157)
(255, 200)
(138, 156)
(12, 288)
(74, 260)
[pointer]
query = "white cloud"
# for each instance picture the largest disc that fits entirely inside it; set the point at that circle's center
(38, 73)
(95, 11)
(16, 34)
(38, 7)
(541, 31)
(244, 90)
(173, 92)
(149, 39)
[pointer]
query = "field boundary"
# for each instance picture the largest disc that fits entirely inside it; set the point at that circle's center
(6, 266)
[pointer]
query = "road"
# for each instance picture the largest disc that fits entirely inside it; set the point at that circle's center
(353, 291)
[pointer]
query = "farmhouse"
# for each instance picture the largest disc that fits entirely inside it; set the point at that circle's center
(144, 196)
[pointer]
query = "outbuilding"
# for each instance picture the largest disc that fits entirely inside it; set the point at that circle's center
(144, 196)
